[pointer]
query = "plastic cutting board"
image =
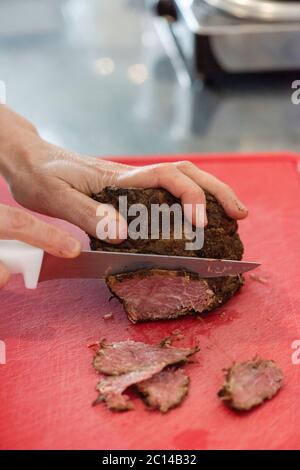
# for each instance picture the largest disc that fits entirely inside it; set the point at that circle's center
(48, 383)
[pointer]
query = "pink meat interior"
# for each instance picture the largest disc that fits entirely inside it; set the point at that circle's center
(163, 295)
(251, 385)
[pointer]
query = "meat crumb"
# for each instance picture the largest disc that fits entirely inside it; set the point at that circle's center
(176, 332)
(262, 280)
(107, 316)
(179, 337)
(166, 342)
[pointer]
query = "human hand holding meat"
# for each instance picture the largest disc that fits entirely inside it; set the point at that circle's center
(59, 183)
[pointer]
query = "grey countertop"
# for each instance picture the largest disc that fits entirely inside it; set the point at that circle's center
(94, 77)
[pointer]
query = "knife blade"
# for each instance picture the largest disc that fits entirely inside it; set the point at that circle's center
(99, 264)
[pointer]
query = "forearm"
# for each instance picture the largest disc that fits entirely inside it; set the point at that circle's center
(17, 135)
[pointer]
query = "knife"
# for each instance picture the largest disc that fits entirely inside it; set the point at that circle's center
(35, 266)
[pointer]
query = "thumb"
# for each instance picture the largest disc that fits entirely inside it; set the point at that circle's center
(102, 221)
(4, 275)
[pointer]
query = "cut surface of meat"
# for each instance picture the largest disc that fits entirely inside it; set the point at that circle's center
(165, 390)
(159, 294)
(250, 383)
(129, 363)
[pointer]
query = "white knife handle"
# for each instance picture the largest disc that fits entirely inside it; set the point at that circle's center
(24, 259)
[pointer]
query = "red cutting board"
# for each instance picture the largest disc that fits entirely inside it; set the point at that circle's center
(47, 384)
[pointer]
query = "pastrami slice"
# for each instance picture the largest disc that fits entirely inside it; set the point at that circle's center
(165, 390)
(111, 389)
(250, 383)
(128, 363)
(128, 356)
(160, 294)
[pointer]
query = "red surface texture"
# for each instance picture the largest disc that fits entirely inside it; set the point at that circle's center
(48, 383)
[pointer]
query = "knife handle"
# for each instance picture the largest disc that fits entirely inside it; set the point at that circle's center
(24, 259)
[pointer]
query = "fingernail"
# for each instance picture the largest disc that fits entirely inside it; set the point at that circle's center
(241, 207)
(71, 246)
(201, 217)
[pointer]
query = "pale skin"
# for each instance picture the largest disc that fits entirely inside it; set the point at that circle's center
(56, 182)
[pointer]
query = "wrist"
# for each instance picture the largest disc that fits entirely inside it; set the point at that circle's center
(17, 138)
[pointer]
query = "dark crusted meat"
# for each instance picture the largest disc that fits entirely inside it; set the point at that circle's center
(158, 294)
(128, 363)
(221, 239)
(165, 390)
(250, 383)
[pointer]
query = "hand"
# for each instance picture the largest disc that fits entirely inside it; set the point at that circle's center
(20, 225)
(50, 180)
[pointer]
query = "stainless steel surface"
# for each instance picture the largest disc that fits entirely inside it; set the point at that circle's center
(238, 45)
(260, 9)
(99, 264)
(99, 82)
(204, 18)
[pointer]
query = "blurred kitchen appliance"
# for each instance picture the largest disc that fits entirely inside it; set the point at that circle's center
(216, 37)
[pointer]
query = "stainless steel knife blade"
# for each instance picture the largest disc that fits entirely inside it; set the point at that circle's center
(99, 264)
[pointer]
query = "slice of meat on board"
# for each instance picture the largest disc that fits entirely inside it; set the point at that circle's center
(165, 390)
(129, 363)
(159, 294)
(111, 389)
(250, 383)
(128, 356)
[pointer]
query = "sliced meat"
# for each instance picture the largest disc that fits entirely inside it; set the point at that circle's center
(172, 294)
(165, 390)
(129, 356)
(250, 383)
(111, 389)
(156, 294)
(129, 363)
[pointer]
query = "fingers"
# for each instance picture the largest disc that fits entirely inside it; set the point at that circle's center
(168, 176)
(20, 225)
(4, 275)
(224, 193)
(187, 182)
(99, 220)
